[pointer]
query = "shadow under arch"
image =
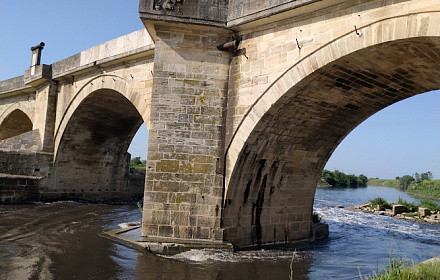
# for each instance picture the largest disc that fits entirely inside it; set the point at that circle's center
(105, 81)
(14, 124)
(269, 195)
(91, 160)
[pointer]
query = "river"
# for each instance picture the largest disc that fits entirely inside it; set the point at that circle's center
(64, 240)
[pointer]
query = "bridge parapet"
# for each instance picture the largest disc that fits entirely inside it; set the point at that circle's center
(125, 47)
(14, 86)
(43, 101)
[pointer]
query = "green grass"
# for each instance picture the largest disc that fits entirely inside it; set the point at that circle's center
(410, 207)
(426, 189)
(398, 270)
(379, 201)
(412, 214)
(384, 182)
(431, 205)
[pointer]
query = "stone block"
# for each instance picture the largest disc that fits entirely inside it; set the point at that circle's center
(320, 231)
(180, 218)
(165, 230)
(398, 209)
(424, 211)
(167, 166)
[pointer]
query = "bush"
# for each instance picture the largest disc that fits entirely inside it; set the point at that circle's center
(431, 205)
(316, 218)
(410, 207)
(426, 189)
(379, 201)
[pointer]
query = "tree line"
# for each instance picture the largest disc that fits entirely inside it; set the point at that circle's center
(408, 180)
(341, 180)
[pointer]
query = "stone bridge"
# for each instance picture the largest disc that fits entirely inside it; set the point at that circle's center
(245, 101)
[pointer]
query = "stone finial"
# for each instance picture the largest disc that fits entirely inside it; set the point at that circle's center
(36, 56)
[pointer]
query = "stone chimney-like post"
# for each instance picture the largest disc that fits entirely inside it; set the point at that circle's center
(36, 56)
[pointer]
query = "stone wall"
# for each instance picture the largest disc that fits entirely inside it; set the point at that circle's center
(240, 11)
(195, 11)
(183, 190)
(303, 85)
(18, 189)
(29, 164)
(101, 94)
(26, 142)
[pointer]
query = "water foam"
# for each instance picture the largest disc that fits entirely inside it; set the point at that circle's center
(129, 224)
(342, 219)
(213, 255)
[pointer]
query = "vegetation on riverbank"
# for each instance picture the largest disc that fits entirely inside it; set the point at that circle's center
(425, 212)
(137, 166)
(400, 270)
(420, 185)
(339, 179)
(409, 207)
(426, 189)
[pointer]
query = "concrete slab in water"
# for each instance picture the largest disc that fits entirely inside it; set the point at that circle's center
(158, 245)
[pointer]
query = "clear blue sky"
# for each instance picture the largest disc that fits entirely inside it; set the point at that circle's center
(401, 139)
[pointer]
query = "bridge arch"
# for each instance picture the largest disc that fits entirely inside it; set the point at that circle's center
(105, 81)
(14, 122)
(276, 154)
(97, 129)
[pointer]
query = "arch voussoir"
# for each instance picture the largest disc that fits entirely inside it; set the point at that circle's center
(299, 119)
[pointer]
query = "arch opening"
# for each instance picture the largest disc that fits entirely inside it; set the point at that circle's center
(399, 140)
(138, 151)
(92, 161)
(270, 194)
(16, 123)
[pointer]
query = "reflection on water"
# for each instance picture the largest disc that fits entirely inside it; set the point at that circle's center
(64, 241)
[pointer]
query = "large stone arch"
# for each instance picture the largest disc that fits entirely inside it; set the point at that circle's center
(279, 149)
(14, 122)
(105, 81)
(91, 159)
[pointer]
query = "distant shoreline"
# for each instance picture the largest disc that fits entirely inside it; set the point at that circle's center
(427, 189)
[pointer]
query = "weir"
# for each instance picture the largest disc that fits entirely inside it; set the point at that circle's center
(238, 136)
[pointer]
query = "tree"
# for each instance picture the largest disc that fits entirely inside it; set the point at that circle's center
(341, 180)
(426, 176)
(363, 180)
(405, 181)
(328, 176)
(136, 161)
(352, 181)
(417, 177)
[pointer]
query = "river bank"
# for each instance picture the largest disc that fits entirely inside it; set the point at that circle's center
(424, 215)
(427, 189)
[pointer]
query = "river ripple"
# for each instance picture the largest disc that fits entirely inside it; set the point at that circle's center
(64, 241)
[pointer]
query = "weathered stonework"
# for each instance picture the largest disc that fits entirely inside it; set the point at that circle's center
(237, 137)
(85, 115)
(183, 191)
(18, 189)
(302, 87)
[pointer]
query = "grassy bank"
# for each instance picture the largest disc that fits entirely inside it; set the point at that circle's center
(397, 270)
(425, 189)
(384, 182)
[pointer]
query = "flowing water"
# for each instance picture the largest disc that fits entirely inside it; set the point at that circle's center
(64, 240)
